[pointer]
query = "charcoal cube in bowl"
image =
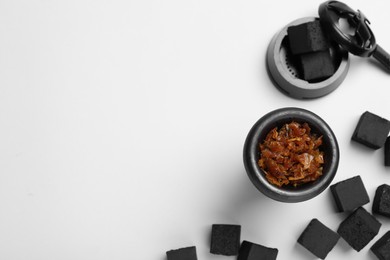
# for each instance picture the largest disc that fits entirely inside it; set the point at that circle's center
(349, 194)
(316, 66)
(225, 239)
(381, 248)
(318, 239)
(381, 203)
(371, 130)
(307, 38)
(359, 228)
(387, 152)
(186, 253)
(252, 251)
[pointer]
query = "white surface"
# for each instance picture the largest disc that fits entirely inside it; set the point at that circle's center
(122, 125)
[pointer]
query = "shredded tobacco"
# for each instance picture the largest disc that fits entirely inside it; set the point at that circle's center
(291, 155)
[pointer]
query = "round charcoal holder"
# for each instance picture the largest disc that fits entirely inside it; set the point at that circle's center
(283, 69)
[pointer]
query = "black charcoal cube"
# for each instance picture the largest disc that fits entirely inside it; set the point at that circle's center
(318, 239)
(387, 152)
(306, 38)
(225, 239)
(381, 203)
(186, 253)
(381, 248)
(316, 66)
(349, 194)
(359, 228)
(252, 251)
(371, 130)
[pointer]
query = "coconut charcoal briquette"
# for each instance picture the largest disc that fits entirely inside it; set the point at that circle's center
(252, 251)
(318, 239)
(381, 203)
(225, 239)
(306, 38)
(316, 66)
(359, 228)
(381, 248)
(387, 152)
(349, 194)
(186, 253)
(371, 130)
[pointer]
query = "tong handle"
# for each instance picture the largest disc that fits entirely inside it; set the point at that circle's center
(382, 56)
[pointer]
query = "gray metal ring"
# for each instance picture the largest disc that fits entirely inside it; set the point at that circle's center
(285, 75)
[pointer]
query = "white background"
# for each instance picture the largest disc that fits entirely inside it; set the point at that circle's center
(122, 125)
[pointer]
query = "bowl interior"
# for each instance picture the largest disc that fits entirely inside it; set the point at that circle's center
(291, 63)
(326, 148)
